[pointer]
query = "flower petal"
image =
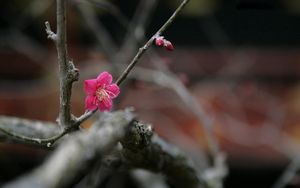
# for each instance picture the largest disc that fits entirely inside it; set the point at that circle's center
(90, 103)
(113, 90)
(90, 86)
(104, 79)
(105, 104)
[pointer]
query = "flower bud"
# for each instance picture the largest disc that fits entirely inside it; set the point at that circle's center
(169, 45)
(159, 41)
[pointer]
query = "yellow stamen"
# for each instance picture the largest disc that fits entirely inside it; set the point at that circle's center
(101, 94)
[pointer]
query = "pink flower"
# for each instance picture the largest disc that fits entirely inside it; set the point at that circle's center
(100, 92)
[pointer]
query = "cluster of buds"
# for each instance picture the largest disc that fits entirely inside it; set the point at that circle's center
(160, 41)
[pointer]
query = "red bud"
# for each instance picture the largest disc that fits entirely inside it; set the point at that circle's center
(169, 45)
(159, 41)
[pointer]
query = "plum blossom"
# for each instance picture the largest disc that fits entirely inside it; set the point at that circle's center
(100, 92)
(160, 41)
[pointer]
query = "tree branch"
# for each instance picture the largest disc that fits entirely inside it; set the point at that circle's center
(29, 128)
(141, 149)
(67, 71)
(30, 132)
(78, 153)
(35, 132)
(83, 117)
(144, 149)
(32, 140)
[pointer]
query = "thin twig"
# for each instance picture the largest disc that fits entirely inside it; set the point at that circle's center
(37, 139)
(149, 42)
(30, 128)
(289, 173)
(46, 142)
(84, 117)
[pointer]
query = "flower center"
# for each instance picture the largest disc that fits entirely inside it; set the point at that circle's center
(101, 94)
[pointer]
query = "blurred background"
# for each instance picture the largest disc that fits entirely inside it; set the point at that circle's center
(235, 67)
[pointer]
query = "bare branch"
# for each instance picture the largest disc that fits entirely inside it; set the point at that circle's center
(27, 127)
(144, 149)
(43, 134)
(30, 132)
(77, 154)
(32, 140)
(84, 117)
(67, 71)
(141, 149)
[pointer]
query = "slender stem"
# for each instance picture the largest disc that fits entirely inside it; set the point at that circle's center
(84, 117)
(149, 42)
(38, 141)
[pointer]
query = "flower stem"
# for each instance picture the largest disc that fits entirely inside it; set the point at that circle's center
(47, 142)
(143, 49)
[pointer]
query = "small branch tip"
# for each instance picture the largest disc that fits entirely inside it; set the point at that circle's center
(50, 33)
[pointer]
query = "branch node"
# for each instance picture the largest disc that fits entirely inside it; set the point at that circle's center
(51, 34)
(73, 72)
